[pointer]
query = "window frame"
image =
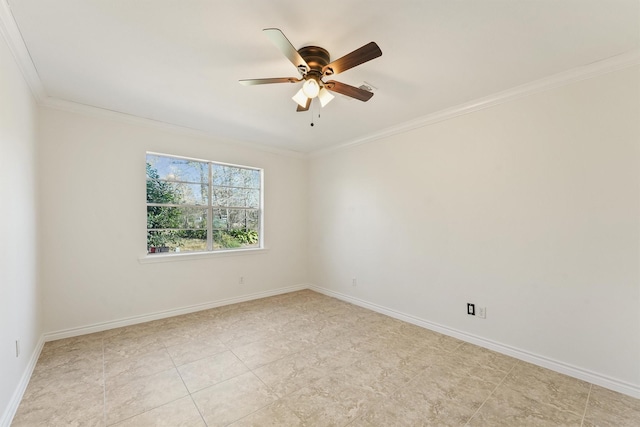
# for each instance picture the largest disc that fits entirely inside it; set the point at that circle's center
(210, 208)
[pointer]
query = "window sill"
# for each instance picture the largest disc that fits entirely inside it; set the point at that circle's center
(151, 259)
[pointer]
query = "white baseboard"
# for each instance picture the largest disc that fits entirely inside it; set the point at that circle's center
(103, 326)
(554, 365)
(12, 407)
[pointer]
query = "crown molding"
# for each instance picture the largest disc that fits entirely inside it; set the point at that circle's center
(18, 48)
(97, 112)
(588, 71)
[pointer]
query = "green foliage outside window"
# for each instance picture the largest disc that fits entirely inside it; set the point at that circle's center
(247, 237)
(161, 217)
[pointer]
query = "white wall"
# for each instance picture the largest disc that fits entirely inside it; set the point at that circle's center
(94, 220)
(19, 291)
(529, 208)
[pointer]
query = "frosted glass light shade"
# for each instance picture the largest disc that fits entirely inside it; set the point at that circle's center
(300, 98)
(311, 88)
(324, 96)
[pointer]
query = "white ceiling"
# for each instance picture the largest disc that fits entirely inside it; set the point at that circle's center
(179, 62)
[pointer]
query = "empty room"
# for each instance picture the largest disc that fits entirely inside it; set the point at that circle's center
(364, 213)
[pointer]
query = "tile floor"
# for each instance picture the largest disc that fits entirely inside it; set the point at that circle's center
(300, 359)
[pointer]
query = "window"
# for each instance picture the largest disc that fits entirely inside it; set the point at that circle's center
(196, 206)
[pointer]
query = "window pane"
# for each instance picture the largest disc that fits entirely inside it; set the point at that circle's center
(235, 219)
(220, 219)
(235, 239)
(226, 219)
(236, 197)
(171, 217)
(162, 241)
(192, 240)
(253, 219)
(177, 193)
(230, 176)
(224, 240)
(173, 169)
(162, 192)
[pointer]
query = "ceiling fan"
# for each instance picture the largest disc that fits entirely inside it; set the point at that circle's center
(312, 62)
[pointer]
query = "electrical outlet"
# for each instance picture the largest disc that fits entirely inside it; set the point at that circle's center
(17, 348)
(354, 282)
(471, 309)
(241, 281)
(482, 312)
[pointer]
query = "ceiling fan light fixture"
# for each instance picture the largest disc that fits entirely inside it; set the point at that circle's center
(325, 96)
(300, 98)
(311, 88)
(313, 64)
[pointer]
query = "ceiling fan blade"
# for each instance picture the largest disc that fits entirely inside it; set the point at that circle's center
(348, 90)
(251, 82)
(306, 107)
(278, 38)
(359, 56)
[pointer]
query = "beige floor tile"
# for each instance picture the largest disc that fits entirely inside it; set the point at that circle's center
(120, 370)
(265, 351)
(510, 408)
(314, 333)
(55, 407)
(179, 413)
(476, 362)
(81, 358)
(552, 388)
(130, 344)
(143, 394)
(274, 415)
(392, 413)
(341, 347)
(289, 374)
(233, 338)
(68, 376)
(402, 356)
(481, 357)
(194, 350)
(389, 413)
(328, 402)
(442, 342)
(375, 374)
(437, 388)
(211, 370)
(76, 343)
(182, 333)
(130, 332)
(608, 408)
(66, 387)
(401, 343)
(233, 399)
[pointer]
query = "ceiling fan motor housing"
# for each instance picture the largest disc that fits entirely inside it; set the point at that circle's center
(316, 57)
